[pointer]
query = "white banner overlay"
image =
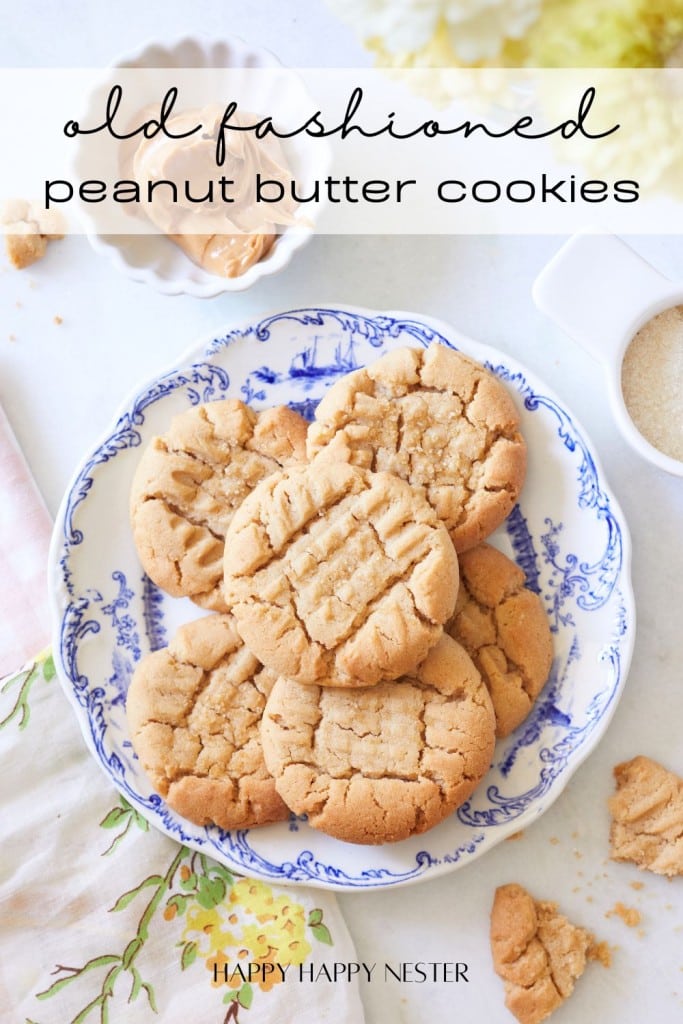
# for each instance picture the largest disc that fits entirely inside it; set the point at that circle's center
(345, 151)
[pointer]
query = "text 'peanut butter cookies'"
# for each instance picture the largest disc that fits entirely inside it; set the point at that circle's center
(385, 762)
(190, 481)
(647, 816)
(537, 952)
(504, 628)
(338, 576)
(437, 419)
(194, 712)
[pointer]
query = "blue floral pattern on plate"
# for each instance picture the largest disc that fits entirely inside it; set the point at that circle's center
(567, 533)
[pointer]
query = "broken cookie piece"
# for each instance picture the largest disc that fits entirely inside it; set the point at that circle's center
(28, 229)
(537, 952)
(647, 817)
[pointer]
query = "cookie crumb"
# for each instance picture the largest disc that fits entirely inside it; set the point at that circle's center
(601, 952)
(28, 228)
(12, 337)
(515, 836)
(57, 320)
(629, 915)
(554, 841)
(637, 885)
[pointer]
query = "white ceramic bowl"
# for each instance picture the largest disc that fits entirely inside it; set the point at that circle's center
(567, 533)
(153, 258)
(600, 292)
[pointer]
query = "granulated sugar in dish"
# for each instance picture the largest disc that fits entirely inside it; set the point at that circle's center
(652, 381)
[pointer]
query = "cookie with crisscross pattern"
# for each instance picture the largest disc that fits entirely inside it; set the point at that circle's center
(339, 576)
(189, 482)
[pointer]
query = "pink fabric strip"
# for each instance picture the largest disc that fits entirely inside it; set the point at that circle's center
(24, 541)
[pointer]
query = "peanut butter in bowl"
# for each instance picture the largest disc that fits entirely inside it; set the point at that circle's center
(209, 210)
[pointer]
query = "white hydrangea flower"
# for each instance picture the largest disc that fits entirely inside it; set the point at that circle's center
(477, 28)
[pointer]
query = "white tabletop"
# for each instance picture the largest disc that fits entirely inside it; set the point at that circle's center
(61, 382)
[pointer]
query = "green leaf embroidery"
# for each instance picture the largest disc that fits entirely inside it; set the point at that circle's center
(179, 902)
(43, 667)
(151, 999)
(131, 951)
(322, 934)
(136, 987)
(76, 972)
(141, 822)
(245, 995)
(320, 931)
(210, 892)
(124, 962)
(222, 872)
(128, 897)
(117, 816)
(188, 956)
(114, 817)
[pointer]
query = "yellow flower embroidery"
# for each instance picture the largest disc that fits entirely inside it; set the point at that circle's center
(251, 926)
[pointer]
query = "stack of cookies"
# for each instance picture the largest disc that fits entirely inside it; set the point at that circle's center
(366, 646)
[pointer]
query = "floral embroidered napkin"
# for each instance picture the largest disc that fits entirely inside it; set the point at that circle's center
(105, 919)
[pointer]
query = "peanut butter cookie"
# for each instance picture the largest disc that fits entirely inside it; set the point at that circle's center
(647, 817)
(339, 576)
(437, 419)
(189, 483)
(503, 626)
(537, 952)
(385, 762)
(194, 711)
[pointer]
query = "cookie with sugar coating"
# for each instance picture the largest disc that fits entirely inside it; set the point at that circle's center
(437, 419)
(504, 627)
(338, 576)
(382, 763)
(194, 711)
(189, 482)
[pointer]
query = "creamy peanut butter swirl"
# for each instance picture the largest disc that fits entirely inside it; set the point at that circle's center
(222, 228)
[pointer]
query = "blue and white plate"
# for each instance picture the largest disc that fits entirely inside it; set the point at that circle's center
(567, 533)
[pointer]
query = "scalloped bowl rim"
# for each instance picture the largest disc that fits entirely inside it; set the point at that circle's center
(208, 285)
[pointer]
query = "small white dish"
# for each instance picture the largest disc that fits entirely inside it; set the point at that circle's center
(600, 292)
(567, 533)
(152, 258)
